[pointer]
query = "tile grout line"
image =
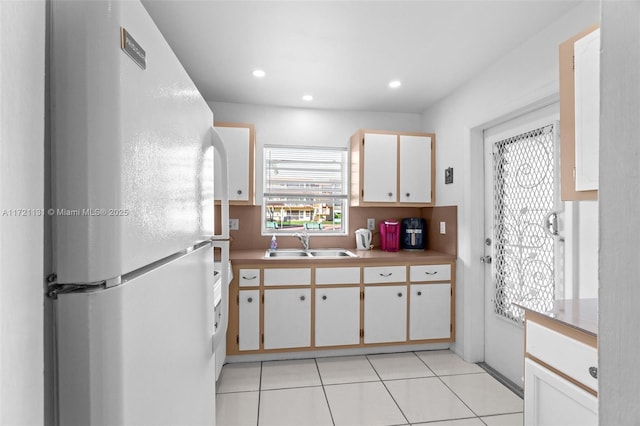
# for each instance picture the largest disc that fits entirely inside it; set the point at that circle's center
(452, 391)
(324, 391)
(259, 395)
(388, 391)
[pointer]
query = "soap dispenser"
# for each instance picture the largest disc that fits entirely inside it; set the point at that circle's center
(274, 243)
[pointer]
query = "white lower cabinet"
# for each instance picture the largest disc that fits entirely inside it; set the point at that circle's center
(552, 400)
(249, 320)
(385, 314)
(287, 318)
(337, 316)
(430, 311)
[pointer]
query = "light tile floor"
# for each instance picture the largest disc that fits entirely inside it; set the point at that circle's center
(432, 387)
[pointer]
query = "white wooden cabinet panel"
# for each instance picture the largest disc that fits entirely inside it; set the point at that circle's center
(237, 144)
(385, 314)
(249, 320)
(385, 274)
(337, 316)
(587, 110)
(249, 277)
(415, 169)
(550, 400)
(430, 311)
(421, 273)
(380, 167)
(287, 318)
(346, 275)
(287, 276)
(570, 356)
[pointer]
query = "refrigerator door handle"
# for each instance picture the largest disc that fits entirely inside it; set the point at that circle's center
(218, 145)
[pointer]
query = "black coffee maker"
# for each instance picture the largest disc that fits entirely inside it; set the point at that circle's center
(413, 234)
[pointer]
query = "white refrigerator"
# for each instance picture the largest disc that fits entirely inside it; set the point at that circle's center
(132, 190)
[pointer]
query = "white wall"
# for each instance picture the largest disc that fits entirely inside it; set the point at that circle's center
(525, 77)
(22, 83)
(619, 316)
(314, 127)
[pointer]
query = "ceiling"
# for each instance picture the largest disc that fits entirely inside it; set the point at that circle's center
(344, 53)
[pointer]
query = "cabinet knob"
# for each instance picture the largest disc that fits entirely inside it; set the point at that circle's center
(390, 194)
(302, 298)
(399, 294)
(408, 194)
(594, 372)
(239, 191)
(250, 299)
(419, 293)
(324, 297)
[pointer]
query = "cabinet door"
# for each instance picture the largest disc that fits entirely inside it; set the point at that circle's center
(551, 400)
(415, 169)
(287, 318)
(385, 314)
(380, 168)
(249, 320)
(587, 105)
(237, 142)
(430, 311)
(337, 316)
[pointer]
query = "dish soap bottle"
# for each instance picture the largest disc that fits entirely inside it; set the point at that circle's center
(274, 243)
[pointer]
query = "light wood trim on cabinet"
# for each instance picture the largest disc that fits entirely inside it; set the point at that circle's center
(233, 327)
(568, 122)
(252, 161)
(357, 170)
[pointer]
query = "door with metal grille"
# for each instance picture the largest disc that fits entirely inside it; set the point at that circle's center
(522, 250)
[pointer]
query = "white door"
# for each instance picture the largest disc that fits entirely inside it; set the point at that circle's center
(415, 169)
(385, 314)
(380, 167)
(287, 318)
(523, 260)
(337, 316)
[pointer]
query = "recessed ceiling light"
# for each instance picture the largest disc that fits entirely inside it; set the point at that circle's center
(307, 98)
(259, 73)
(395, 84)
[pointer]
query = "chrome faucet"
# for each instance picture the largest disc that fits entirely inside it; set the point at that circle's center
(304, 239)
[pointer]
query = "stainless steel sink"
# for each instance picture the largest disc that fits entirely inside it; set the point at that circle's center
(331, 253)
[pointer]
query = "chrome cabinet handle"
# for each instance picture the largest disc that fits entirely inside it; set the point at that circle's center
(594, 372)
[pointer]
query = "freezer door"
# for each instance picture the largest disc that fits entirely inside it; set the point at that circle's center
(140, 353)
(133, 163)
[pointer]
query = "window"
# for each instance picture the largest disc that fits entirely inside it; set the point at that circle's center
(305, 188)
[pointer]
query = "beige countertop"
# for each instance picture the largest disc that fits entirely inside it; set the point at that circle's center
(373, 257)
(581, 314)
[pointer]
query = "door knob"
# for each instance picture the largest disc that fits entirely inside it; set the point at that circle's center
(485, 259)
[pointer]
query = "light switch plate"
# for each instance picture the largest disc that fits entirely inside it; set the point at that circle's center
(234, 224)
(443, 227)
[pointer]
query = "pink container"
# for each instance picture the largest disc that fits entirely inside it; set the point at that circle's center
(390, 235)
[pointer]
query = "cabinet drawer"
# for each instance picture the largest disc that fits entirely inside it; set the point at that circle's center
(385, 274)
(563, 353)
(350, 275)
(288, 276)
(419, 273)
(249, 277)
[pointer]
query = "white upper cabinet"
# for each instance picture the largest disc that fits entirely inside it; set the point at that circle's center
(239, 141)
(415, 169)
(587, 104)
(380, 171)
(392, 169)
